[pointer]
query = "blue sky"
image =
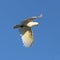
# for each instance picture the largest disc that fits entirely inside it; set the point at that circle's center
(46, 44)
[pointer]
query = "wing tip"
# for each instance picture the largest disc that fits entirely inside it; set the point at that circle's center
(40, 16)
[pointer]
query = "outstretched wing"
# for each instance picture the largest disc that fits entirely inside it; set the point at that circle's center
(30, 19)
(27, 37)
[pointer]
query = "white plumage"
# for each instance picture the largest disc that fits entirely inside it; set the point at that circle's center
(25, 30)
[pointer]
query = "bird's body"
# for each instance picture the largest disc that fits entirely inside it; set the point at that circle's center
(25, 30)
(27, 37)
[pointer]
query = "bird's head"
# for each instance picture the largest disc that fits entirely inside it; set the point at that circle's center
(18, 26)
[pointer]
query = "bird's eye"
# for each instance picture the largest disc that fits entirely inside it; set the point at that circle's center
(22, 26)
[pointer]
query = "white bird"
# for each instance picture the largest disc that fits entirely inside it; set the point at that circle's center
(25, 30)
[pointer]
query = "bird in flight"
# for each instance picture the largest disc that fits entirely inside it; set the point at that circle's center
(25, 30)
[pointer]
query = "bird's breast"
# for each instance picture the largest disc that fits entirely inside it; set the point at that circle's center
(27, 38)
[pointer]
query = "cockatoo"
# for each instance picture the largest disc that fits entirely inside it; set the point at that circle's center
(25, 30)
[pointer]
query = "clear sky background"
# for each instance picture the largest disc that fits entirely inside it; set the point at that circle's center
(46, 44)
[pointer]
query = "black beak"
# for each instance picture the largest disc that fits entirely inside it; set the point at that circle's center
(16, 26)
